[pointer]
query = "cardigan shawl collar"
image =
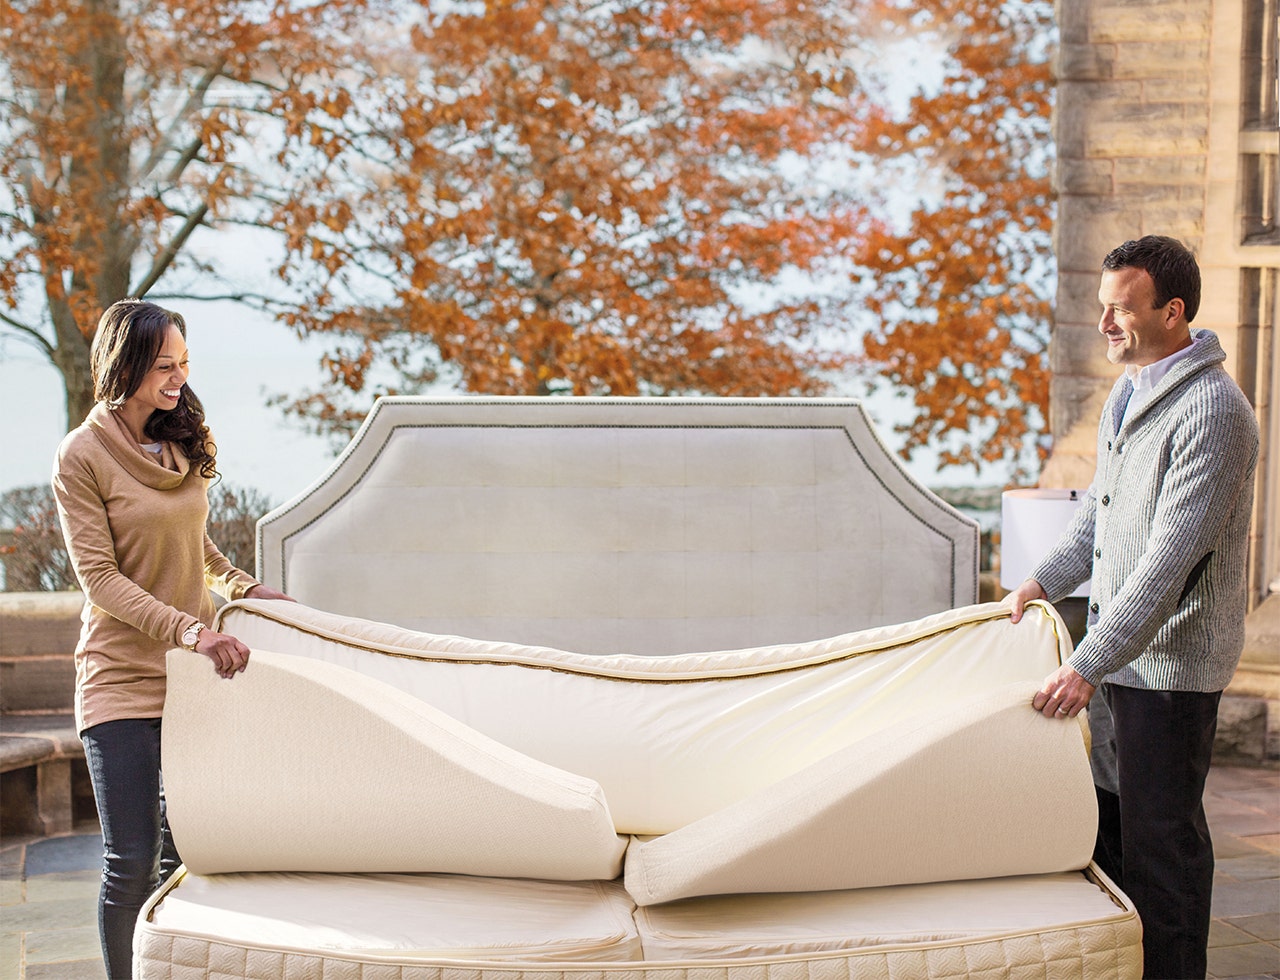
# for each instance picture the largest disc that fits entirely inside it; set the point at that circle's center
(1206, 351)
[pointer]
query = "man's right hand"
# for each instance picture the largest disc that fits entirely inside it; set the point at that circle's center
(1019, 597)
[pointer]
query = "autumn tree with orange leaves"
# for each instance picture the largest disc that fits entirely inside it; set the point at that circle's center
(961, 294)
(620, 197)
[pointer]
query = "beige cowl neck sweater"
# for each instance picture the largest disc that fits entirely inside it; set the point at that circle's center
(134, 523)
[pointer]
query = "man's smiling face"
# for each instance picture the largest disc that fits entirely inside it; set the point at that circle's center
(1137, 332)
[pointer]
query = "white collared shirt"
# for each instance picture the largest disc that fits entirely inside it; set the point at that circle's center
(1143, 379)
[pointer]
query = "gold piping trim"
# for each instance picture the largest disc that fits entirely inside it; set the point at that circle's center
(383, 650)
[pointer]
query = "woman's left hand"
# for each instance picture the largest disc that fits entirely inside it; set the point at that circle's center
(267, 592)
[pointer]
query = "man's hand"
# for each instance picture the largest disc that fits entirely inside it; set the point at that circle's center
(1063, 694)
(1019, 597)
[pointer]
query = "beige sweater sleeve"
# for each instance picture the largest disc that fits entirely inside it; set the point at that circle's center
(87, 532)
(223, 577)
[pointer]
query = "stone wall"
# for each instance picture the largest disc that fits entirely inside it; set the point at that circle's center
(1148, 134)
(1166, 124)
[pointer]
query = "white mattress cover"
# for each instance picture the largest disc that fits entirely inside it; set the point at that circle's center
(427, 916)
(990, 788)
(500, 925)
(298, 765)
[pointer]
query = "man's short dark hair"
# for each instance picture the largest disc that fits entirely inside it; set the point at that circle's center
(1168, 262)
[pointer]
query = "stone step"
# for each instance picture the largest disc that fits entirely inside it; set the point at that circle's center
(39, 623)
(44, 782)
(38, 684)
(38, 633)
(1248, 731)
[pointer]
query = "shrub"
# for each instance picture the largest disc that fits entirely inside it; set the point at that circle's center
(31, 547)
(233, 518)
(34, 556)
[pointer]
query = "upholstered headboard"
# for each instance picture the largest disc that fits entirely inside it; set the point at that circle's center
(612, 525)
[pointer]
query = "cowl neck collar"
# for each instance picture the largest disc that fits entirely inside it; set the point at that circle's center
(163, 471)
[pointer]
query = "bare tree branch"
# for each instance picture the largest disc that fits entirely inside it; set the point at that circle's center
(170, 251)
(195, 98)
(29, 334)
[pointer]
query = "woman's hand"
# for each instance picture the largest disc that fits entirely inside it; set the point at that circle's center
(267, 592)
(228, 654)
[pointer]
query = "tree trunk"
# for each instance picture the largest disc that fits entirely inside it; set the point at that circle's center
(99, 182)
(71, 358)
(108, 182)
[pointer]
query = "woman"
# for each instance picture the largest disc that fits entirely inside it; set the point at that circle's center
(131, 487)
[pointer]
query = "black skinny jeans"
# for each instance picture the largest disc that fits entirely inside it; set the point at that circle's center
(137, 848)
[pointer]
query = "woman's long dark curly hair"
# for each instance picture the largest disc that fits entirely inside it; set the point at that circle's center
(130, 335)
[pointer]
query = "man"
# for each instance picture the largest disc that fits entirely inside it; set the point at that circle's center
(1163, 531)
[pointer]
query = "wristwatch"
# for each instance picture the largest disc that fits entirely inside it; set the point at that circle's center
(191, 635)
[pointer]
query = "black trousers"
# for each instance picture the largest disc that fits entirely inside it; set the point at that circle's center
(138, 851)
(1153, 839)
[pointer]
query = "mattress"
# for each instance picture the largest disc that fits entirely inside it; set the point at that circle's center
(367, 802)
(272, 926)
(874, 759)
(673, 739)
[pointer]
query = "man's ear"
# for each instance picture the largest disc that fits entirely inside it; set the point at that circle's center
(1173, 312)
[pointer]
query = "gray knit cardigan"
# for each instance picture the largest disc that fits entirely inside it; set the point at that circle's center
(1164, 531)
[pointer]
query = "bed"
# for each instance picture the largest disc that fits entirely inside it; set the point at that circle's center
(839, 776)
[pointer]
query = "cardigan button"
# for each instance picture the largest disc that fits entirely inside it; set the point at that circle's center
(1108, 446)
(1093, 607)
(1097, 552)
(1106, 499)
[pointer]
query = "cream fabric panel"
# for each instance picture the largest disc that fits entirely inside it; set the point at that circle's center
(615, 525)
(298, 765)
(408, 916)
(986, 788)
(818, 922)
(674, 739)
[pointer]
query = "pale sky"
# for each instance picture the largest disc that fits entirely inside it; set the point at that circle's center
(238, 358)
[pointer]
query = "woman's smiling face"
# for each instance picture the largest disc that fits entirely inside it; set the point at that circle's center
(161, 386)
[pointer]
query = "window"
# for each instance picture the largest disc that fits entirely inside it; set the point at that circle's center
(1260, 125)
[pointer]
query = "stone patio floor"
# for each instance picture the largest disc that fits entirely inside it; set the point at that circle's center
(49, 888)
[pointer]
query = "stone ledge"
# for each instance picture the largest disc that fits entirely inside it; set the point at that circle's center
(26, 740)
(1247, 732)
(45, 780)
(38, 683)
(1262, 637)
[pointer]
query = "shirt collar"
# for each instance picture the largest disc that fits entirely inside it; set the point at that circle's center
(1150, 375)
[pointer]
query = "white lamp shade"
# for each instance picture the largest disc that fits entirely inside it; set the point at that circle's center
(1031, 523)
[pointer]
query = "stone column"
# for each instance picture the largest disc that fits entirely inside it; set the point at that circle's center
(1132, 131)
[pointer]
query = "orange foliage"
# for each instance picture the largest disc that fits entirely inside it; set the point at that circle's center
(544, 196)
(962, 295)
